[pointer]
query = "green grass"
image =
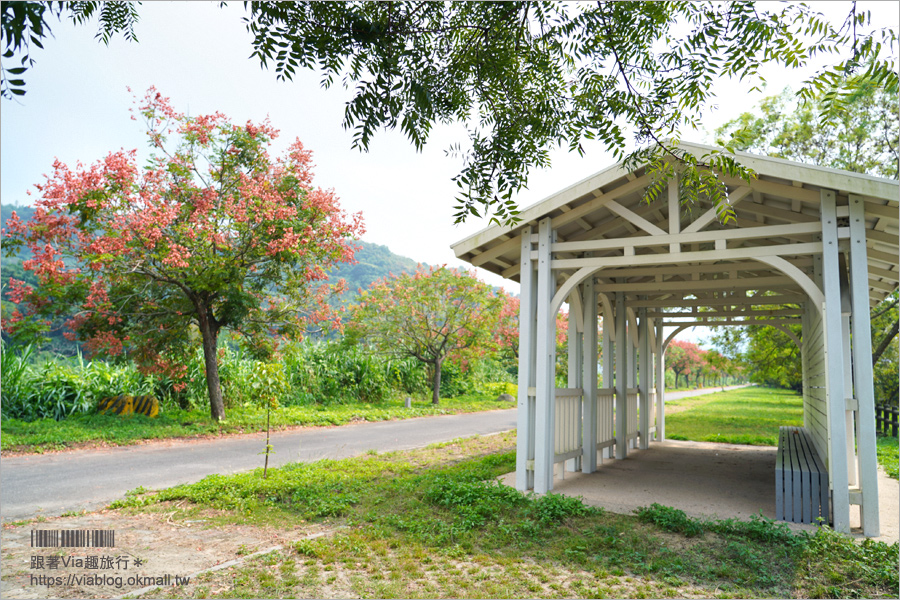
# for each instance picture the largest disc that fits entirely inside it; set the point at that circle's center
(79, 430)
(434, 523)
(743, 416)
(888, 451)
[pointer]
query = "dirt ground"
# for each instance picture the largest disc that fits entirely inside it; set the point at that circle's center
(146, 546)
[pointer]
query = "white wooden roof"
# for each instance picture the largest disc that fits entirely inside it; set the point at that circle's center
(604, 215)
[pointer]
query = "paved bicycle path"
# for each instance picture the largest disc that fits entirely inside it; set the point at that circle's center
(51, 484)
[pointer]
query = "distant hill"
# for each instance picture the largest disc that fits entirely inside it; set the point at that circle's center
(23, 212)
(372, 262)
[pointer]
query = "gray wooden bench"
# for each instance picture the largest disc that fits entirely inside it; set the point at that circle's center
(801, 480)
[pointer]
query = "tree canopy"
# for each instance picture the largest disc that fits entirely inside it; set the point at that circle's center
(864, 137)
(212, 234)
(25, 24)
(431, 315)
(527, 77)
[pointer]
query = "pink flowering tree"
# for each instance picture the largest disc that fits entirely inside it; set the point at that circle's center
(431, 315)
(211, 235)
(507, 331)
(684, 358)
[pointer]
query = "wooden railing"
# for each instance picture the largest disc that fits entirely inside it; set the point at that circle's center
(568, 419)
(606, 401)
(568, 424)
(886, 419)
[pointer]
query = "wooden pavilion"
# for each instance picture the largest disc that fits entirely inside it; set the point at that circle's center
(809, 245)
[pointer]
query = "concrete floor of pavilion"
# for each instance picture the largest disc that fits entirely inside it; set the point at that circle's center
(704, 480)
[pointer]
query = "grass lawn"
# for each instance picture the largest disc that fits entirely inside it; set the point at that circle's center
(888, 451)
(743, 416)
(93, 429)
(750, 416)
(434, 523)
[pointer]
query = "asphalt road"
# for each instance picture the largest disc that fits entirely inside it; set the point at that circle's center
(52, 484)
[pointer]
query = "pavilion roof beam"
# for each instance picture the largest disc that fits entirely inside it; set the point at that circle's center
(683, 257)
(805, 236)
(634, 218)
(884, 273)
(713, 213)
(501, 248)
(599, 201)
(781, 312)
(765, 231)
(882, 285)
(882, 236)
(734, 322)
(890, 211)
(612, 222)
(784, 298)
(567, 196)
(580, 221)
(778, 190)
(697, 268)
(719, 284)
(775, 213)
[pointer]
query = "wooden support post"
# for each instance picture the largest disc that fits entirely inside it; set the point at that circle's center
(660, 382)
(621, 379)
(545, 377)
(646, 378)
(834, 380)
(632, 356)
(608, 355)
(805, 328)
(527, 347)
(576, 363)
(850, 414)
(862, 369)
(608, 360)
(589, 377)
(631, 367)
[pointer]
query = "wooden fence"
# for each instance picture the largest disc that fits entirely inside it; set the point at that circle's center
(886, 419)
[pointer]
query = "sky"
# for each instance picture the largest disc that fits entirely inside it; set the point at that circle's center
(77, 109)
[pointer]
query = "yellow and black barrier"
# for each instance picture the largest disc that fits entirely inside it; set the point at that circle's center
(126, 405)
(146, 405)
(117, 405)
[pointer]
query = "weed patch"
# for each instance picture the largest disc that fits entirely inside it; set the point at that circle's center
(835, 566)
(435, 523)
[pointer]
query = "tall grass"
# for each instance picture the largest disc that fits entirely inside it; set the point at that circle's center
(59, 388)
(323, 373)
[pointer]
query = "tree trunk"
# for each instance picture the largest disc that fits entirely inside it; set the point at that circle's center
(210, 335)
(885, 342)
(436, 383)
